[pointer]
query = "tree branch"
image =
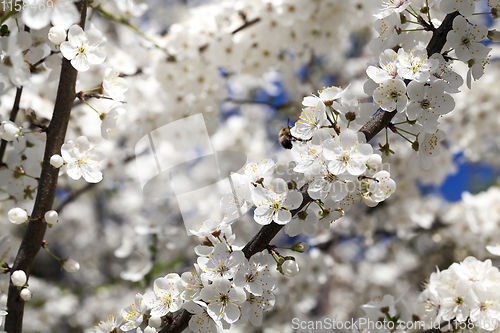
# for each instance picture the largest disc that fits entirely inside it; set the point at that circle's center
(47, 184)
(376, 124)
(13, 115)
(383, 118)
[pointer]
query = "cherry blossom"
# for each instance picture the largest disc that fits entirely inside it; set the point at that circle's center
(83, 48)
(82, 160)
(275, 202)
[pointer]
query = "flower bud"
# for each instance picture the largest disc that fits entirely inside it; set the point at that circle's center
(300, 247)
(3, 300)
(290, 268)
(17, 215)
(8, 130)
(18, 278)
(154, 321)
(70, 265)
(57, 35)
(51, 217)
(56, 161)
(374, 161)
(26, 294)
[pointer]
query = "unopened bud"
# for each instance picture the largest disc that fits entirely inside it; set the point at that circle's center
(17, 215)
(290, 268)
(56, 161)
(57, 35)
(26, 294)
(300, 247)
(51, 217)
(70, 265)
(18, 278)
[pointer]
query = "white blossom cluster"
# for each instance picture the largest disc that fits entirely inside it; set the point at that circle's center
(465, 292)
(223, 289)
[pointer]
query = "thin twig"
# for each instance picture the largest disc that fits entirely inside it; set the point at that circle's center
(13, 115)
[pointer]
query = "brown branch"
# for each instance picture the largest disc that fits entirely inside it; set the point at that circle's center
(383, 118)
(246, 25)
(35, 231)
(13, 115)
(179, 323)
(376, 124)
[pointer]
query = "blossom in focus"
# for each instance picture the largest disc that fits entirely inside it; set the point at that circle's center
(223, 300)
(114, 85)
(466, 38)
(165, 296)
(311, 120)
(83, 48)
(387, 69)
(347, 153)
(325, 98)
(325, 184)
(427, 103)
(254, 275)
(133, 314)
(221, 262)
(82, 160)
(379, 188)
(193, 283)
(414, 65)
(391, 95)
(275, 202)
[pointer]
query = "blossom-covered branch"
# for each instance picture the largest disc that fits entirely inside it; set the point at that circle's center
(34, 235)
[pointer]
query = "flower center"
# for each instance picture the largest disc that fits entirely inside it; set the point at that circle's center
(224, 299)
(82, 50)
(425, 104)
(465, 41)
(345, 158)
(393, 95)
(330, 177)
(276, 205)
(250, 277)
